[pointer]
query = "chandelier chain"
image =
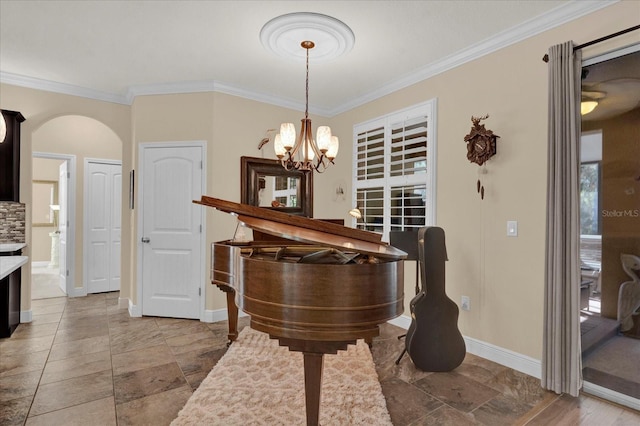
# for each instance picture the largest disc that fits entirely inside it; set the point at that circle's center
(306, 108)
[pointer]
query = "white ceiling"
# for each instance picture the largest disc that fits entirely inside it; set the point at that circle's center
(114, 50)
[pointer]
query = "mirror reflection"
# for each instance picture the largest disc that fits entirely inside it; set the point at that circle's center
(44, 202)
(278, 191)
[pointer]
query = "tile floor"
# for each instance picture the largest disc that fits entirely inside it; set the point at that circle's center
(85, 361)
(45, 283)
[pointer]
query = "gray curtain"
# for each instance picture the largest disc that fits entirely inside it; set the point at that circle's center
(561, 359)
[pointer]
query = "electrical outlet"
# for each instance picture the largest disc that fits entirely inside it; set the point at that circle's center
(466, 304)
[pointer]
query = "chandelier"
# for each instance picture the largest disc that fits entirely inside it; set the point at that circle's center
(303, 152)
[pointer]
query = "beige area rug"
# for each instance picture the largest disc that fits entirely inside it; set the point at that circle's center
(258, 382)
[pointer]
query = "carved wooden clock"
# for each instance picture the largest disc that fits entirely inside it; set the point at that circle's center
(481, 145)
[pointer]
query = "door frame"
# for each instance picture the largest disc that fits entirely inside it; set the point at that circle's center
(590, 387)
(72, 291)
(85, 212)
(136, 310)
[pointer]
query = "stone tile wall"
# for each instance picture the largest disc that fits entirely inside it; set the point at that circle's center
(12, 222)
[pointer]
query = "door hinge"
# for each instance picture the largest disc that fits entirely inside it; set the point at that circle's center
(68, 175)
(201, 166)
(201, 229)
(67, 272)
(200, 291)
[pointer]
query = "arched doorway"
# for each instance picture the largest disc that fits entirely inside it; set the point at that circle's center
(73, 138)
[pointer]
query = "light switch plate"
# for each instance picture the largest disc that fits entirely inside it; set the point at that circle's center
(512, 228)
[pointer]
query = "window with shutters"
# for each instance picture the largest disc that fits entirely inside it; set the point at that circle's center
(394, 163)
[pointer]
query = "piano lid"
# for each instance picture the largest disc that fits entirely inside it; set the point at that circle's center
(306, 230)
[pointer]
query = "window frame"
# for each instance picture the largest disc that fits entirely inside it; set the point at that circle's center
(387, 182)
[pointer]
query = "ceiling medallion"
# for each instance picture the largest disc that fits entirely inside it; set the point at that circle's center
(282, 35)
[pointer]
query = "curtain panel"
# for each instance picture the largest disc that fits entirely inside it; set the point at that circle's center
(562, 359)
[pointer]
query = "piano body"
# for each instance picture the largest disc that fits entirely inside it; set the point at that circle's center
(315, 286)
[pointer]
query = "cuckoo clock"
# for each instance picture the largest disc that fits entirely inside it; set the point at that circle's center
(481, 146)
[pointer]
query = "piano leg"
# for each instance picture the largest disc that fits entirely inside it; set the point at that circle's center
(313, 351)
(312, 386)
(232, 315)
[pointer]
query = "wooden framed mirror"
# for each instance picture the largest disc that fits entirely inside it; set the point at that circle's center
(265, 183)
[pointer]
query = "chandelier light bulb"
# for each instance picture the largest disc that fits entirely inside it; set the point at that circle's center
(288, 135)
(323, 138)
(332, 151)
(278, 146)
(3, 128)
(308, 153)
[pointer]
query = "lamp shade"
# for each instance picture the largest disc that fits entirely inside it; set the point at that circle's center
(278, 147)
(355, 213)
(587, 106)
(307, 150)
(288, 135)
(323, 138)
(3, 128)
(332, 152)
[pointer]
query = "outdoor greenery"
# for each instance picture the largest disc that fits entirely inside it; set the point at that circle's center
(589, 198)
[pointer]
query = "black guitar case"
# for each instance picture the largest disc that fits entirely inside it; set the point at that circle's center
(433, 340)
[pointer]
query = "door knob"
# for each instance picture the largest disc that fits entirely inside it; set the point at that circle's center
(146, 240)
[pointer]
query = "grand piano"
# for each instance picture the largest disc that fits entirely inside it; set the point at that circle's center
(315, 286)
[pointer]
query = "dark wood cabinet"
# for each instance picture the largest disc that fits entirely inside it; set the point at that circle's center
(10, 289)
(10, 157)
(10, 303)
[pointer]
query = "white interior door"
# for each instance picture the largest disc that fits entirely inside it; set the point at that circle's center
(115, 228)
(63, 183)
(103, 195)
(171, 227)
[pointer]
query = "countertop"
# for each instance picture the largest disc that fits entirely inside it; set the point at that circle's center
(8, 264)
(8, 247)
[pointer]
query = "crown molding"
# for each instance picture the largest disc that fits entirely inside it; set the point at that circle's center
(169, 89)
(62, 88)
(220, 87)
(554, 18)
(270, 99)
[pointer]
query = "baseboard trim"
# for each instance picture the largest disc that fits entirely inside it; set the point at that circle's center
(610, 395)
(134, 310)
(402, 321)
(26, 316)
(215, 315)
(77, 292)
(40, 264)
(502, 356)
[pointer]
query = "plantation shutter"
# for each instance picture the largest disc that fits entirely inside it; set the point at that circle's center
(394, 175)
(370, 154)
(409, 147)
(371, 204)
(408, 207)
